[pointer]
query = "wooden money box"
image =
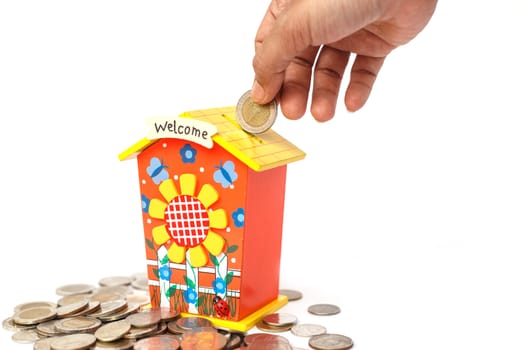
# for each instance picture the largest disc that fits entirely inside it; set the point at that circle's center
(212, 200)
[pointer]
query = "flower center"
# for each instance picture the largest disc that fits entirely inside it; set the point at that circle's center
(187, 221)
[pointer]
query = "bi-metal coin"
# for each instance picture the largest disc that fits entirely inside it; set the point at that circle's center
(253, 117)
(113, 331)
(79, 341)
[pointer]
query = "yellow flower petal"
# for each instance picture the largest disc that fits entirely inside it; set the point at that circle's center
(168, 190)
(157, 208)
(198, 256)
(188, 182)
(176, 253)
(160, 234)
(208, 195)
(218, 218)
(214, 243)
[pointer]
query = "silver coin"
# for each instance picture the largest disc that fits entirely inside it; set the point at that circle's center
(324, 309)
(79, 341)
(255, 118)
(330, 341)
(112, 331)
(291, 294)
(307, 329)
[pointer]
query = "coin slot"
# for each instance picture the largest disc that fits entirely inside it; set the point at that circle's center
(234, 122)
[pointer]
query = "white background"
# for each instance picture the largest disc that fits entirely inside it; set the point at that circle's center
(408, 214)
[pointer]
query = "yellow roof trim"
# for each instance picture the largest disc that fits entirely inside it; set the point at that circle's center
(136, 149)
(259, 152)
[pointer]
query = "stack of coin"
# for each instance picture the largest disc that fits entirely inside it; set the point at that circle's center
(277, 322)
(117, 315)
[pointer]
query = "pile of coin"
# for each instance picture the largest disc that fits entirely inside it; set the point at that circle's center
(277, 322)
(117, 315)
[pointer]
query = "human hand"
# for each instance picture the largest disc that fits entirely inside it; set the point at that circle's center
(303, 40)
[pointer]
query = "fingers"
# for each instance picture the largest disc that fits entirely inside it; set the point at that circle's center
(329, 71)
(362, 78)
(296, 85)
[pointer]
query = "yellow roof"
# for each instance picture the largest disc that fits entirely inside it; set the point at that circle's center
(259, 152)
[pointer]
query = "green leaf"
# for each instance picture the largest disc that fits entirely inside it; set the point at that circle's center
(213, 258)
(229, 278)
(189, 282)
(156, 273)
(171, 290)
(232, 248)
(199, 301)
(165, 260)
(150, 244)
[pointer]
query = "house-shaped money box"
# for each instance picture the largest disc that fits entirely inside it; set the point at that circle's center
(212, 206)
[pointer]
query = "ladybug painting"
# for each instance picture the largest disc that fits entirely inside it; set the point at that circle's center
(221, 307)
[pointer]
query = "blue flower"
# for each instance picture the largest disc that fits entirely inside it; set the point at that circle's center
(188, 153)
(219, 285)
(238, 217)
(190, 296)
(165, 273)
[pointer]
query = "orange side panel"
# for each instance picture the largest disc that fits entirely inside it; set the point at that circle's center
(262, 237)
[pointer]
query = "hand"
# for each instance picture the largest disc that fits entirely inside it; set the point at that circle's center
(298, 36)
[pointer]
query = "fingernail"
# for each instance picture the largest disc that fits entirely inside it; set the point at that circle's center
(257, 92)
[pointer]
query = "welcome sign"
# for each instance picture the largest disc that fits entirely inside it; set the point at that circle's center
(181, 128)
